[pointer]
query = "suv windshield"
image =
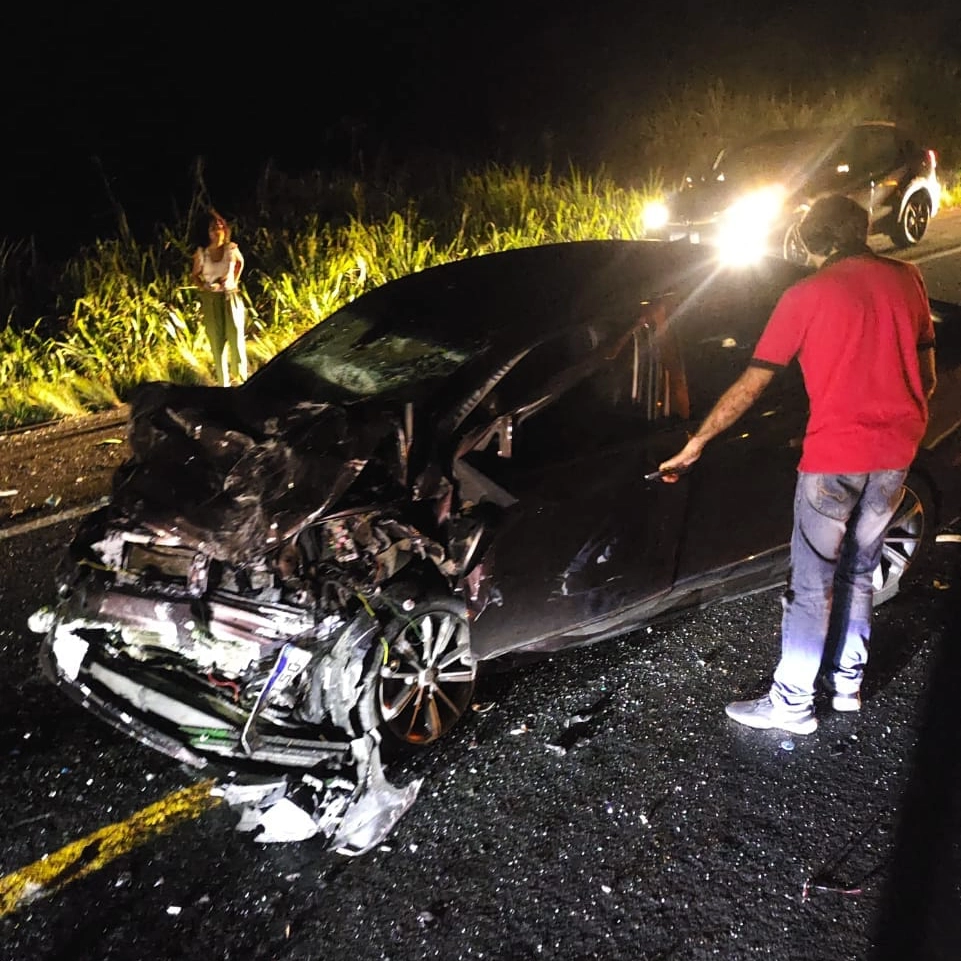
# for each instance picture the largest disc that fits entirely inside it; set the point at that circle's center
(768, 157)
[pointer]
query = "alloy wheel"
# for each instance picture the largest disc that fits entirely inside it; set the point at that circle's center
(427, 680)
(902, 542)
(795, 251)
(914, 221)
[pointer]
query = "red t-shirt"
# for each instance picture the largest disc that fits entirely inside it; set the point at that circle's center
(856, 327)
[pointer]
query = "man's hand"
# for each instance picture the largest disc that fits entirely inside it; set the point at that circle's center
(682, 461)
(734, 401)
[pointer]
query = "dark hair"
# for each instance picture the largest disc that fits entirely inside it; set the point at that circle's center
(216, 218)
(834, 223)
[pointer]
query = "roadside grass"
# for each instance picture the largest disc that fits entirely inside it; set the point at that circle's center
(125, 312)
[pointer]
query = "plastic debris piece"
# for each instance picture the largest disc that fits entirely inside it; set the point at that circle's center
(787, 744)
(174, 909)
(9, 493)
(54, 500)
(941, 585)
(483, 708)
(948, 539)
(109, 441)
(286, 821)
(372, 815)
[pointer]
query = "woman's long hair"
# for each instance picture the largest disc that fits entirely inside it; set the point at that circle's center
(217, 220)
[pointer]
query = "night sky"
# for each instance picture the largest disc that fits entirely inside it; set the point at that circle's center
(110, 98)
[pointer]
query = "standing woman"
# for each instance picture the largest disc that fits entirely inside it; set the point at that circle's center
(216, 271)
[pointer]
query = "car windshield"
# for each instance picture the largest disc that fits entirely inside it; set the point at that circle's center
(353, 356)
(768, 157)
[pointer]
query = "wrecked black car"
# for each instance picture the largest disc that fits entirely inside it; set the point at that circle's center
(296, 575)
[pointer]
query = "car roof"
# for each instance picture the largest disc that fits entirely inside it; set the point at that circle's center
(527, 293)
(498, 304)
(810, 135)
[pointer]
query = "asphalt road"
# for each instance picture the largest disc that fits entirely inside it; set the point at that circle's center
(596, 805)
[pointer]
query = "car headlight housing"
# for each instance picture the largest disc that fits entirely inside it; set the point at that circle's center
(744, 228)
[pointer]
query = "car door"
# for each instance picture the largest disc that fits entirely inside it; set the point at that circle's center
(740, 492)
(586, 543)
(868, 166)
(885, 161)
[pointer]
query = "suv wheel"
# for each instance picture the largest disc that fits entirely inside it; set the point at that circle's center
(795, 251)
(914, 221)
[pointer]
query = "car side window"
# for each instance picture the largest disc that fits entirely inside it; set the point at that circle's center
(553, 405)
(869, 150)
(718, 340)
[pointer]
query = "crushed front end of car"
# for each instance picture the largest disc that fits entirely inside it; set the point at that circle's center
(252, 601)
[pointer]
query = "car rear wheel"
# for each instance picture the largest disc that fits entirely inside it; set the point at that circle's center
(914, 221)
(910, 532)
(427, 673)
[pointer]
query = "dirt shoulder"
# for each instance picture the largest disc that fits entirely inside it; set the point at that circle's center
(51, 468)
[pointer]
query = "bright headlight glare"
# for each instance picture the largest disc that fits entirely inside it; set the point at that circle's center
(762, 206)
(744, 227)
(655, 215)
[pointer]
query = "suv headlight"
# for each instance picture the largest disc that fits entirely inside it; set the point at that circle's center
(655, 215)
(745, 225)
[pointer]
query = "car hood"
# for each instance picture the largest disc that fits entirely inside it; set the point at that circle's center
(228, 471)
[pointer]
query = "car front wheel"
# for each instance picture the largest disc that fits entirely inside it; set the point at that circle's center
(426, 677)
(913, 222)
(910, 532)
(795, 251)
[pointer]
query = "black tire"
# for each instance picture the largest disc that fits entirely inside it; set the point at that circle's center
(913, 222)
(425, 674)
(910, 535)
(794, 249)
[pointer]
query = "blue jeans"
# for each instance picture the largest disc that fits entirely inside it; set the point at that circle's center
(839, 526)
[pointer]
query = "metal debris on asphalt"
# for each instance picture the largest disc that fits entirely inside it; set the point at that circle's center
(809, 886)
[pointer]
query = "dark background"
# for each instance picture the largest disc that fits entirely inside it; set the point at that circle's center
(111, 104)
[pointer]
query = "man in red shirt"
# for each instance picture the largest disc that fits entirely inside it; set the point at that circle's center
(862, 332)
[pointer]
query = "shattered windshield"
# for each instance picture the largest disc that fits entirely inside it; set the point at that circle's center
(352, 356)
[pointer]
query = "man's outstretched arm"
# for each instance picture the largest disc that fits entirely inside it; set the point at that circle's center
(732, 404)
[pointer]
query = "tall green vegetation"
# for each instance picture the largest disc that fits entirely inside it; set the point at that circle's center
(133, 316)
(124, 311)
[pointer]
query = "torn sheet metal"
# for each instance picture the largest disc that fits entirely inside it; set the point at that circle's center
(354, 813)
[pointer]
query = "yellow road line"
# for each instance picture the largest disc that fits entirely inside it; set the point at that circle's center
(89, 854)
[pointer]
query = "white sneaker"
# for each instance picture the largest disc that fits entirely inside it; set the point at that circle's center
(846, 702)
(764, 714)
